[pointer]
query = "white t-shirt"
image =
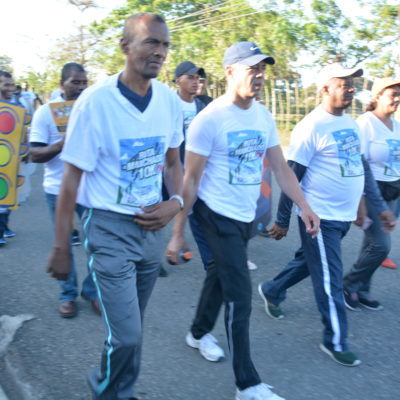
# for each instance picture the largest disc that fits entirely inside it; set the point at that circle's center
(234, 142)
(188, 112)
(330, 147)
(44, 130)
(382, 146)
(120, 149)
(55, 93)
(29, 98)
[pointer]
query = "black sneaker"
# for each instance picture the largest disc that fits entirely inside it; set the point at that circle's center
(75, 239)
(351, 300)
(346, 358)
(370, 304)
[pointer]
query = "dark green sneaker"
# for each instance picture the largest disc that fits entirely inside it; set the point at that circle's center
(370, 304)
(272, 310)
(346, 358)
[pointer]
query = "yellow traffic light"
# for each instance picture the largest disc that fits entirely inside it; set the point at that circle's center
(11, 132)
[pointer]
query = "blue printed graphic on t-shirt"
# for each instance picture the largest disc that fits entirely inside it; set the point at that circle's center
(141, 162)
(188, 116)
(349, 152)
(392, 167)
(246, 150)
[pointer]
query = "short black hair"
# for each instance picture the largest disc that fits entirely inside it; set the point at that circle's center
(6, 74)
(202, 73)
(134, 18)
(68, 68)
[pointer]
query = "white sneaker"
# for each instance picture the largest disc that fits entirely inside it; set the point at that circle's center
(261, 391)
(251, 266)
(207, 346)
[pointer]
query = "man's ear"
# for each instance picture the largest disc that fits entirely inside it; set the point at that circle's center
(228, 70)
(123, 44)
(325, 90)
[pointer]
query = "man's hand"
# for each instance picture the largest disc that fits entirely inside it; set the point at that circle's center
(388, 221)
(277, 232)
(58, 146)
(361, 213)
(175, 246)
(59, 264)
(157, 216)
(311, 221)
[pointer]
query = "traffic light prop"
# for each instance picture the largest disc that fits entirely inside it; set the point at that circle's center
(12, 118)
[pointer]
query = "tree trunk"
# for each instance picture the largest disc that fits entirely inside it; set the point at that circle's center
(273, 98)
(288, 113)
(297, 99)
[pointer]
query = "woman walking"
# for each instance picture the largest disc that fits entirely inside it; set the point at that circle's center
(380, 134)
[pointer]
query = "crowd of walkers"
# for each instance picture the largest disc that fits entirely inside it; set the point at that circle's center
(137, 155)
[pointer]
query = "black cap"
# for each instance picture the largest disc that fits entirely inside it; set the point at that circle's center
(188, 68)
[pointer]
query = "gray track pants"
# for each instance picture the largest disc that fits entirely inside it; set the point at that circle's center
(124, 261)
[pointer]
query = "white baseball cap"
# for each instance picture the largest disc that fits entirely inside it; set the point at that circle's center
(383, 83)
(336, 70)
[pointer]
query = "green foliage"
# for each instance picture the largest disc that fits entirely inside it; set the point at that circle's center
(38, 82)
(5, 63)
(382, 29)
(201, 29)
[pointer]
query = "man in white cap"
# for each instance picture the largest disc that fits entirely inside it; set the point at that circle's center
(325, 154)
(225, 147)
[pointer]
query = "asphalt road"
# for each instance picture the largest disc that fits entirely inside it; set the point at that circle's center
(49, 356)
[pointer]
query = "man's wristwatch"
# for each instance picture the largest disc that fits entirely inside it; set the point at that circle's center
(180, 199)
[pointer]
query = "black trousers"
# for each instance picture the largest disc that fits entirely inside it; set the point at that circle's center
(227, 281)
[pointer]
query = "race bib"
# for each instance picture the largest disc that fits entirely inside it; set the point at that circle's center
(349, 153)
(245, 151)
(392, 167)
(188, 116)
(141, 163)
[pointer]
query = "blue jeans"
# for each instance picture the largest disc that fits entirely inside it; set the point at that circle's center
(197, 232)
(69, 288)
(3, 220)
(375, 248)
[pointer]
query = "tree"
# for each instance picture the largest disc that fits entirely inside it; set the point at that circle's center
(200, 29)
(76, 47)
(382, 30)
(5, 63)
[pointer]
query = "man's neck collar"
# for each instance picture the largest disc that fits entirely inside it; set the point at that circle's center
(139, 86)
(188, 98)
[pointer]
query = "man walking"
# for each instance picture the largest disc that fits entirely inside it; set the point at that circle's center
(122, 134)
(325, 154)
(201, 93)
(46, 144)
(187, 77)
(225, 147)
